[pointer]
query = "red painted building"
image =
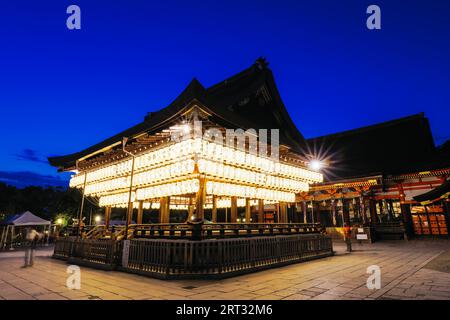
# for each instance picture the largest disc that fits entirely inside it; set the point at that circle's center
(389, 177)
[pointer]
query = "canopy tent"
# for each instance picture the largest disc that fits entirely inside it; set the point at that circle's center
(26, 219)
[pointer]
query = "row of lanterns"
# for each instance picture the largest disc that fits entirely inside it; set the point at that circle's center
(197, 148)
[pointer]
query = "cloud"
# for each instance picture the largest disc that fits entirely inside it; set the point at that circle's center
(30, 155)
(21, 179)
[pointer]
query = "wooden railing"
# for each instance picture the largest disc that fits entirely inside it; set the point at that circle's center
(63, 247)
(174, 251)
(220, 230)
(96, 251)
(224, 257)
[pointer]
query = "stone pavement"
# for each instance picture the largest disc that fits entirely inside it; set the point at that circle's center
(404, 275)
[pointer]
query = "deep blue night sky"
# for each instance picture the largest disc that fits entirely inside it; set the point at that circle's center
(63, 90)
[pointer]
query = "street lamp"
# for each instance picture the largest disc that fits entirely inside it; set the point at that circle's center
(97, 219)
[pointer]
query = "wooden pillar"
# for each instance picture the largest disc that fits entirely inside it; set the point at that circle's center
(161, 209)
(277, 211)
(167, 210)
(248, 212)
(164, 210)
(406, 213)
(345, 212)
(333, 212)
(190, 209)
(260, 211)
(130, 212)
(363, 209)
(107, 216)
(200, 200)
(317, 212)
(140, 212)
(214, 209)
(373, 211)
(447, 213)
(305, 212)
(283, 212)
(233, 211)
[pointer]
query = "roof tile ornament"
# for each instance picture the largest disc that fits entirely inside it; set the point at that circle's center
(262, 63)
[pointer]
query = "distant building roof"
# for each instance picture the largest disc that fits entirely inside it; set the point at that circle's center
(393, 147)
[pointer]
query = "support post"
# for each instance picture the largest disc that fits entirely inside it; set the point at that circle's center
(214, 209)
(130, 192)
(406, 213)
(248, 213)
(373, 212)
(333, 212)
(233, 211)
(140, 214)
(107, 216)
(305, 212)
(200, 200)
(283, 212)
(80, 217)
(317, 212)
(277, 211)
(260, 211)
(363, 209)
(161, 209)
(345, 212)
(190, 209)
(164, 210)
(129, 214)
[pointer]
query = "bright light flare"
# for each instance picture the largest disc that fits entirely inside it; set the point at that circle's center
(316, 165)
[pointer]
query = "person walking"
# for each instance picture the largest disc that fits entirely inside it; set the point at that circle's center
(31, 237)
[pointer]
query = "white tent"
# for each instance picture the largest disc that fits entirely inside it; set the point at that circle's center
(26, 219)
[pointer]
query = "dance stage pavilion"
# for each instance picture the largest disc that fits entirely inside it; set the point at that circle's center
(226, 160)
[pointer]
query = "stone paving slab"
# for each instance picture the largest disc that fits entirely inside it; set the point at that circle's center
(342, 277)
